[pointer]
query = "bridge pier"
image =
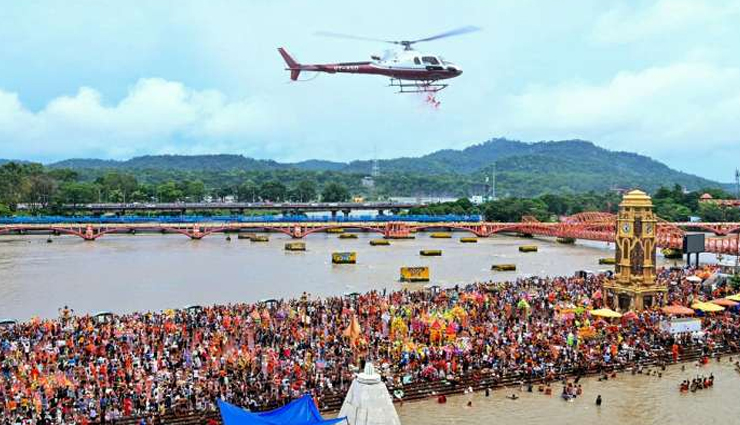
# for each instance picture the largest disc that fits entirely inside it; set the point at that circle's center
(196, 234)
(89, 234)
(297, 232)
(396, 230)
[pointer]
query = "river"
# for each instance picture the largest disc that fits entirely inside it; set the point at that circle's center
(124, 273)
(627, 400)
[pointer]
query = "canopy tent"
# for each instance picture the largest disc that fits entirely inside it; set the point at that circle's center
(735, 297)
(606, 312)
(724, 302)
(694, 279)
(707, 307)
(630, 315)
(677, 310)
(302, 411)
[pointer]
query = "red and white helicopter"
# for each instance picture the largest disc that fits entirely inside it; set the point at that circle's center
(409, 70)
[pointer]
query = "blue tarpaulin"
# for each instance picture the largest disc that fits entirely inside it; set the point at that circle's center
(302, 411)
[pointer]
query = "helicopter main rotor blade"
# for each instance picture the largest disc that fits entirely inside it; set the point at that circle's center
(352, 37)
(456, 31)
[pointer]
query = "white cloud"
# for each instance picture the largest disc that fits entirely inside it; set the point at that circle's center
(660, 110)
(155, 116)
(629, 22)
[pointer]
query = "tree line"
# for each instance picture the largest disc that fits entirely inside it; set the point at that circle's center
(671, 204)
(45, 189)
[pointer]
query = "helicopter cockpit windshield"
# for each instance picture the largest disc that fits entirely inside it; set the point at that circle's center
(430, 60)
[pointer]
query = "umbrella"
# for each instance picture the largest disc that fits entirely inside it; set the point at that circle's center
(599, 323)
(523, 304)
(630, 315)
(707, 307)
(724, 302)
(677, 310)
(735, 297)
(695, 279)
(606, 312)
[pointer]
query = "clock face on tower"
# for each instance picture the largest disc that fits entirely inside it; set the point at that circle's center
(649, 229)
(626, 227)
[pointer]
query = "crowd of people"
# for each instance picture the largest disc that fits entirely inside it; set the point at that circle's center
(90, 369)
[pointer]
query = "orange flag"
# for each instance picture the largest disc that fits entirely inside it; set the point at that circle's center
(353, 331)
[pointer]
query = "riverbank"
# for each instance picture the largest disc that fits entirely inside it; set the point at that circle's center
(422, 394)
(424, 342)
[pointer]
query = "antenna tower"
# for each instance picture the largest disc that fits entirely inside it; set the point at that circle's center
(375, 171)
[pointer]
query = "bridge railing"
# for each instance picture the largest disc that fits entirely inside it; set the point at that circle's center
(237, 219)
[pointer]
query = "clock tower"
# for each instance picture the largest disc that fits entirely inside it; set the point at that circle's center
(634, 286)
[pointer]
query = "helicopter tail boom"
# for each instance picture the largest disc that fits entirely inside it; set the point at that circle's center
(293, 66)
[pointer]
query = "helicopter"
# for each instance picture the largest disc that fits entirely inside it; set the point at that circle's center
(410, 71)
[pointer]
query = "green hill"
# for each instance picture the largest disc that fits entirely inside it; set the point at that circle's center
(522, 169)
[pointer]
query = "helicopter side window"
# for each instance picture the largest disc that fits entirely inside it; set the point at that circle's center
(430, 60)
(417, 61)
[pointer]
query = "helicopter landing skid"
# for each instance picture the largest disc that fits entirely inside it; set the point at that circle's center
(406, 86)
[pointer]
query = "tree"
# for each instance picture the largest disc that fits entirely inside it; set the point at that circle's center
(74, 193)
(305, 191)
(118, 185)
(711, 212)
(273, 191)
(195, 190)
(168, 192)
(335, 192)
(41, 189)
(247, 191)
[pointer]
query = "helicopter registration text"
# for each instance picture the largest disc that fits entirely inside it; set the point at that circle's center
(346, 68)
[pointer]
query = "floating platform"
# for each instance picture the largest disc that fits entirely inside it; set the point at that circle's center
(379, 242)
(295, 246)
(441, 235)
(672, 253)
(414, 274)
(344, 257)
(567, 241)
(528, 248)
(348, 236)
(245, 235)
(430, 252)
(335, 230)
(608, 260)
(469, 239)
(503, 267)
(260, 238)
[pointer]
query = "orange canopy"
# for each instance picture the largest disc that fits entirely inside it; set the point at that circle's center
(353, 331)
(724, 302)
(677, 310)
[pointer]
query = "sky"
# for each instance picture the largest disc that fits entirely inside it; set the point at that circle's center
(118, 79)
